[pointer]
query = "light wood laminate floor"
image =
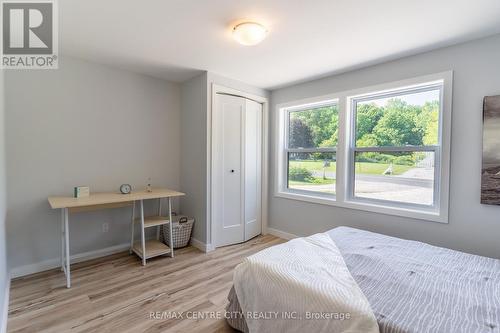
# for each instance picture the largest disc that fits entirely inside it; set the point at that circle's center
(117, 294)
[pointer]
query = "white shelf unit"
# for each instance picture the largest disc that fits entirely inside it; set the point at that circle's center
(147, 249)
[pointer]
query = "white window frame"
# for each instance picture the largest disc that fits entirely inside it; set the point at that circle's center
(344, 196)
(300, 108)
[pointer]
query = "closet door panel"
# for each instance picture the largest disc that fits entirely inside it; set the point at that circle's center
(227, 152)
(253, 166)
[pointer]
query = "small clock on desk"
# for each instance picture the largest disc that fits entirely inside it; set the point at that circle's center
(125, 188)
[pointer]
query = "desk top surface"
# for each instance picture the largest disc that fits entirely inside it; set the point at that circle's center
(111, 197)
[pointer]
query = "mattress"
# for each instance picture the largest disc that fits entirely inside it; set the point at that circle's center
(415, 287)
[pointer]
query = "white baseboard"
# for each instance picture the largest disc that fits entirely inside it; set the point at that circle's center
(5, 307)
(281, 234)
(79, 257)
(54, 263)
(201, 246)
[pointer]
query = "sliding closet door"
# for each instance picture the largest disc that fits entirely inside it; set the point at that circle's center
(253, 168)
(228, 182)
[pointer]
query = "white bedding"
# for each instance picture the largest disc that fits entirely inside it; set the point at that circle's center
(302, 286)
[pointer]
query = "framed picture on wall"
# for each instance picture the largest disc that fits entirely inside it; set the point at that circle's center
(490, 179)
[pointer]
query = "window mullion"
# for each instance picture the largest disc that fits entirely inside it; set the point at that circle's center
(342, 149)
(311, 150)
(396, 149)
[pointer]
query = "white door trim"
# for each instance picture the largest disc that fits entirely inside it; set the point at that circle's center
(219, 89)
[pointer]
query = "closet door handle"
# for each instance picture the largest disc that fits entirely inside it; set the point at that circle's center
(232, 170)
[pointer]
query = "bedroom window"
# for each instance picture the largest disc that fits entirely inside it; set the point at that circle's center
(394, 146)
(311, 145)
(383, 149)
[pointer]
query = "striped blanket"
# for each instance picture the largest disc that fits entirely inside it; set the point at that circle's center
(312, 290)
(413, 287)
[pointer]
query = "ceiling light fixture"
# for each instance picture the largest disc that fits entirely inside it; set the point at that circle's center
(249, 33)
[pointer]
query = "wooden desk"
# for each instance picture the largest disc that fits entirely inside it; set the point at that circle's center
(97, 201)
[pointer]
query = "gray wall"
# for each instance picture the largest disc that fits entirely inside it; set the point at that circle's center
(193, 156)
(472, 227)
(195, 134)
(4, 272)
(83, 124)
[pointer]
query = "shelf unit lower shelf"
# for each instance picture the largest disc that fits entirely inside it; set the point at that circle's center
(153, 221)
(153, 248)
(146, 249)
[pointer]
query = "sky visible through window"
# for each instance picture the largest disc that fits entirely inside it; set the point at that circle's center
(418, 99)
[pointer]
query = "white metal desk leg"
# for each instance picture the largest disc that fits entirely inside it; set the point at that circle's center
(159, 214)
(171, 227)
(66, 236)
(143, 240)
(62, 239)
(133, 228)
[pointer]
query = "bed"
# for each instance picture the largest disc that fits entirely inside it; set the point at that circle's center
(415, 287)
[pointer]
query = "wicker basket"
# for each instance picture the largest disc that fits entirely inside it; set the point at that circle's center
(181, 232)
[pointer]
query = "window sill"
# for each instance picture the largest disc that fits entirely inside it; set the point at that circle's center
(428, 216)
(319, 199)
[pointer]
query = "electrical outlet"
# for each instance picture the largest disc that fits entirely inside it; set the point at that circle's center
(105, 227)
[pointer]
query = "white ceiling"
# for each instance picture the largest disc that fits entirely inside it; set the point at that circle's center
(175, 39)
